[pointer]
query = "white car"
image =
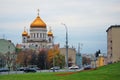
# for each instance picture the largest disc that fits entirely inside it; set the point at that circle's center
(74, 67)
(55, 67)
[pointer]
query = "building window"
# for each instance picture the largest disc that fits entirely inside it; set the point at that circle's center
(36, 45)
(49, 39)
(23, 46)
(43, 35)
(40, 35)
(34, 35)
(111, 41)
(111, 48)
(37, 35)
(111, 55)
(31, 35)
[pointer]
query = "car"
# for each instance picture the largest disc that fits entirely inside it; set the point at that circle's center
(87, 67)
(4, 70)
(55, 68)
(21, 69)
(30, 70)
(37, 68)
(74, 67)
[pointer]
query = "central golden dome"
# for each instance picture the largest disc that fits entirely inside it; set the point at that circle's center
(38, 23)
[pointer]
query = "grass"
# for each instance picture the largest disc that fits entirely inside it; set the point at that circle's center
(109, 72)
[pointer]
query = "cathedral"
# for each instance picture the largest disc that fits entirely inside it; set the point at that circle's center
(38, 36)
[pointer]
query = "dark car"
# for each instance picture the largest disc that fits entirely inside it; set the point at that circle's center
(21, 69)
(29, 70)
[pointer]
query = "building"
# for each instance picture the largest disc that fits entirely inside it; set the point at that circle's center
(7, 53)
(6, 46)
(113, 43)
(101, 60)
(71, 55)
(38, 37)
(79, 57)
(79, 60)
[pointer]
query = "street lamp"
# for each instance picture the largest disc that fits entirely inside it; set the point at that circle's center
(53, 54)
(66, 58)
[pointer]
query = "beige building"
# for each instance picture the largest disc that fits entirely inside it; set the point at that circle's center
(113, 43)
(71, 55)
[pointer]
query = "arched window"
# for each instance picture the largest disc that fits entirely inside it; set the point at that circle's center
(36, 45)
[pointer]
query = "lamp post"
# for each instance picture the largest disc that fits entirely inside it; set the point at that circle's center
(66, 58)
(53, 54)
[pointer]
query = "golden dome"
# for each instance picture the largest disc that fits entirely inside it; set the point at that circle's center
(38, 23)
(24, 33)
(50, 32)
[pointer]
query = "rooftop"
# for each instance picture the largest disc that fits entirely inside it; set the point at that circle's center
(113, 26)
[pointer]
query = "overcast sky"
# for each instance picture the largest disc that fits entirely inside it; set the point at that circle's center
(86, 20)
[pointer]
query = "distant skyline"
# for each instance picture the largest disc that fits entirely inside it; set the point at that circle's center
(86, 20)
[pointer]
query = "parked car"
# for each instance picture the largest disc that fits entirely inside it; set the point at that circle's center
(74, 67)
(55, 68)
(21, 69)
(87, 67)
(37, 68)
(4, 70)
(29, 70)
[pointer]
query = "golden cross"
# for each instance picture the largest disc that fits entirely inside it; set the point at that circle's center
(38, 11)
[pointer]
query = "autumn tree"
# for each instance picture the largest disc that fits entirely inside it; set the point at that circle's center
(86, 60)
(24, 58)
(50, 57)
(54, 55)
(33, 60)
(2, 60)
(42, 59)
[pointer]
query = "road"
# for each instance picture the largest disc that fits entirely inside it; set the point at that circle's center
(38, 71)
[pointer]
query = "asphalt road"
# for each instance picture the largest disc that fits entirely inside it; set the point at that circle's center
(38, 71)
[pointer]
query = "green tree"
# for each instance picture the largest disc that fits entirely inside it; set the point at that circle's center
(59, 60)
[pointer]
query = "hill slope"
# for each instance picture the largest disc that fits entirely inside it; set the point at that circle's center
(109, 72)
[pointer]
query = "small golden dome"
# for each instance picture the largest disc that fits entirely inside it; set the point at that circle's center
(24, 33)
(50, 33)
(38, 23)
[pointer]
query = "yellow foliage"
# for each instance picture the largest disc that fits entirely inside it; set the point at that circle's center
(51, 53)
